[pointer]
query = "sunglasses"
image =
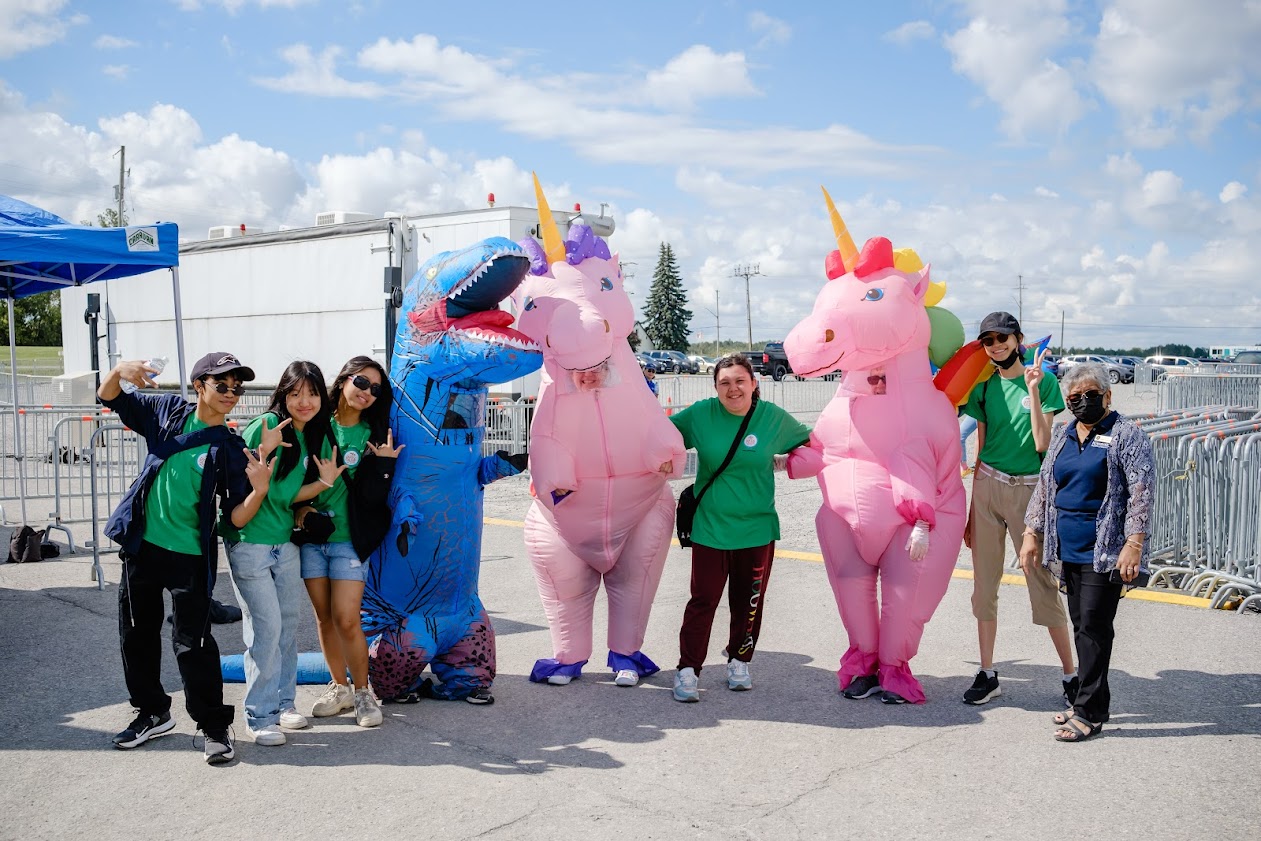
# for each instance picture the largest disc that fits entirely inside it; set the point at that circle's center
(875, 379)
(1079, 400)
(362, 383)
(991, 339)
(224, 388)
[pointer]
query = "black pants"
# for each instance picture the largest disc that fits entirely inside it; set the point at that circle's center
(1092, 604)
(140, 617)
(745, 573)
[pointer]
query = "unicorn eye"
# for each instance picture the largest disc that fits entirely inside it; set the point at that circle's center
(528, 304)
(606, 284)
(874, 294)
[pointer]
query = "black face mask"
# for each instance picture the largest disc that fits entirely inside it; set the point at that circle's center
(1009, 361)
(1088, 408)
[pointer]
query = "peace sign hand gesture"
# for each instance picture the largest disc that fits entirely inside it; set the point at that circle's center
(258, 471)
(273, 437)
(1034, 373)
(386, 450)
(329, 469)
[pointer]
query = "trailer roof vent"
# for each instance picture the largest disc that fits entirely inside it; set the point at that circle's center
(226, 231)
(338, 217)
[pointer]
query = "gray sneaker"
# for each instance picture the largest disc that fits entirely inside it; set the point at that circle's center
(367, 713)
(685, 686)
(336, 699)
(218, 748)
(738, 679)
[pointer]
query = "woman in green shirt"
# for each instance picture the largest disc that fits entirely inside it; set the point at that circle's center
(352, 478)
(266, 568)
(735, 528)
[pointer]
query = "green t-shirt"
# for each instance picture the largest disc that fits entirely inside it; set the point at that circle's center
(352, 446)
(738, 511)
(1009, 443)
(273, 524)
(170, 511)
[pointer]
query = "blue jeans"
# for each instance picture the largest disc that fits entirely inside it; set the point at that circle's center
(967, 425)
(338, 561)
(269, 587)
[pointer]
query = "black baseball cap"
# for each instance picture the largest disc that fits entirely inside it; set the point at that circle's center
(221, 362)
(999, 322)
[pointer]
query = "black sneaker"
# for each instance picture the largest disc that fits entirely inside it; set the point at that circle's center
(863, 686)
(984, 688)
(887, 697)
(480, 697)
(218, 747)
(1071, 688)
(144, 728)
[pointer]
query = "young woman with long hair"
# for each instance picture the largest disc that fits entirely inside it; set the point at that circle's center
(352, 475)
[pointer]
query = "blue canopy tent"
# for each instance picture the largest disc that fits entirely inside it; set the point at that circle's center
(41, 252)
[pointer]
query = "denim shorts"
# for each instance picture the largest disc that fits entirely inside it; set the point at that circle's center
(339, 561)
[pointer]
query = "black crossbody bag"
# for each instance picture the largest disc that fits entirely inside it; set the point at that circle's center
(689, 500)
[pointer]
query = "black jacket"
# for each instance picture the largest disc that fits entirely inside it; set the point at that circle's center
(367, 498)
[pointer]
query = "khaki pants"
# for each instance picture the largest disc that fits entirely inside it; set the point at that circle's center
(998, 511)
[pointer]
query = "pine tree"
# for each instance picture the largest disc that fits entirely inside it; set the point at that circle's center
(665, 316)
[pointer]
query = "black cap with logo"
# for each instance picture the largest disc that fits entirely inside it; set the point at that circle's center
(999, 322)
(220, 362)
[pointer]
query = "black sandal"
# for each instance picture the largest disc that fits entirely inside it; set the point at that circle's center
(1077, 729)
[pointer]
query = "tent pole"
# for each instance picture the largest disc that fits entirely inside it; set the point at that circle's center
(179, 330)
(17, 428)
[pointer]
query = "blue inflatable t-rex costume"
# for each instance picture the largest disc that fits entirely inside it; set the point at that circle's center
(420, 600)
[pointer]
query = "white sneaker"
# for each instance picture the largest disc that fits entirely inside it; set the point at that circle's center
(367, 713)
(738, 679)
(269, 736)
(626, 677)
(559, 680)
(685, 686)
(336, 699)
(291, 719)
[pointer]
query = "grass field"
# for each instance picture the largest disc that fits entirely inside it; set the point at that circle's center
(42, 361)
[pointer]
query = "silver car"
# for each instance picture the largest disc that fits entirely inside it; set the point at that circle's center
(1117, 372)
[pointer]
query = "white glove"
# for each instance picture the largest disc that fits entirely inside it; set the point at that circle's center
(917, 543)
(779, 463)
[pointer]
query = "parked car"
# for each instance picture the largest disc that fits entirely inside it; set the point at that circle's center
(1247, 357)
(1117, 372)
(647, 362)
(675, 361)
(1051, 364)
(704, 364)
(1162, 365)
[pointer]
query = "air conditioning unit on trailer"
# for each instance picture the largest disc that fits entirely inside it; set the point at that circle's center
(338, 217)
(226, 231)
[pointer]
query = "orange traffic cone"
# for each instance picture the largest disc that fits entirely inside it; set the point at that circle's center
(669, 407)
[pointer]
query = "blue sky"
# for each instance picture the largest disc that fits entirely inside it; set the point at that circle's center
(1108, 152)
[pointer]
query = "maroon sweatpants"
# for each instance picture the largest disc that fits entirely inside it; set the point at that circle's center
(747, 572)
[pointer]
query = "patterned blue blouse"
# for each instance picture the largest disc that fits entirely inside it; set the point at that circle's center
(1127, 504)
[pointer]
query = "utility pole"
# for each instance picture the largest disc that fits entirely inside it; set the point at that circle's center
(1062, 345)
(747, 271)
(717, 327)
(1020, 302)
(122, 180)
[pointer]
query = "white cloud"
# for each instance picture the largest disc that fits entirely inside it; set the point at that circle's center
(1161, 187)
(317, 76)
(1171, 67)
(234, 6)
(1232, 191)
(1008, 49)
(113, 42)
(699, 73)
(116, 71)
(1045, 193)
(911, 31)
(31, 24)
(772, 30)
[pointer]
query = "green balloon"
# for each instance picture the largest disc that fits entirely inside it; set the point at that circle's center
(947, 335)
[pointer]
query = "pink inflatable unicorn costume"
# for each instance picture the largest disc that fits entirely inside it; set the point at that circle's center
(886, 452)
(601, 450)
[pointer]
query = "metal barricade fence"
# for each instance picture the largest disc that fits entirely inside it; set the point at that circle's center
(797, 397)
(1199, 388)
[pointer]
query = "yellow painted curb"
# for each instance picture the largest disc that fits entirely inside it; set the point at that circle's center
(1161, 596)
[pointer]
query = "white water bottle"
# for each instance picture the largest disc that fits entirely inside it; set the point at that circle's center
(158, 363)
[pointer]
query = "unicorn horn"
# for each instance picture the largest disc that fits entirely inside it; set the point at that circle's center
(553, 246)
(849, 252)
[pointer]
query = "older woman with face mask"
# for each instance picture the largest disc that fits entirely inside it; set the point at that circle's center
(1087, 523)
(735, 527)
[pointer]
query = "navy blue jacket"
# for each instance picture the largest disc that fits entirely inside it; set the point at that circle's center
(159, 419)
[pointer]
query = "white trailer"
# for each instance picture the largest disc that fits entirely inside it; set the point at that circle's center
(314, 293)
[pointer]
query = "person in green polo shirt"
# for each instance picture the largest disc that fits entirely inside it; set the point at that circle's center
(266, 566)
(1013, 410)
(736, 526)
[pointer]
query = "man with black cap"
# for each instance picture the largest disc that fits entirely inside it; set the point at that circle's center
(1013, 410)
(165, 527)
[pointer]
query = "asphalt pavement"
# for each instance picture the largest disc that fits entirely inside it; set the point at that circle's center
(790, 759)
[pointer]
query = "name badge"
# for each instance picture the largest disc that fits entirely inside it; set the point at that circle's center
(1101, 441)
